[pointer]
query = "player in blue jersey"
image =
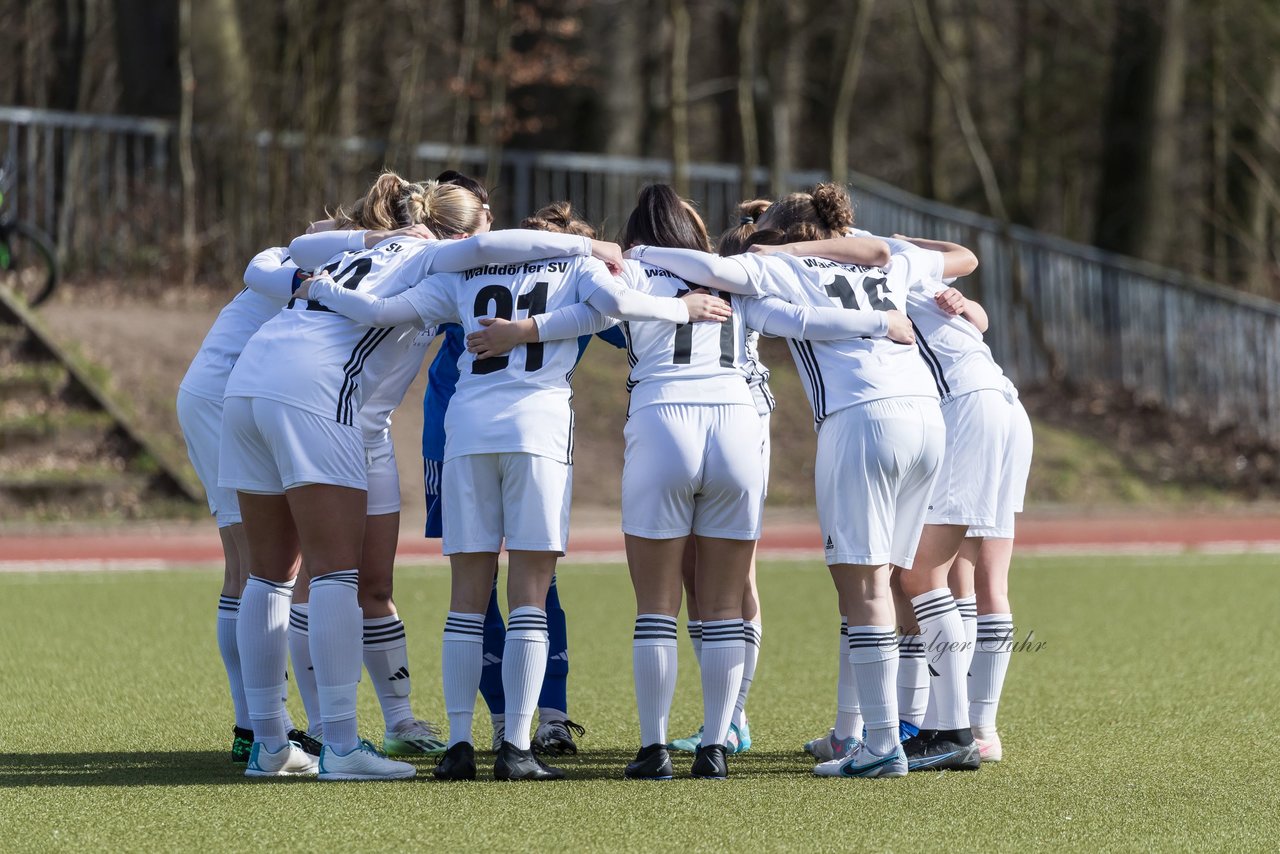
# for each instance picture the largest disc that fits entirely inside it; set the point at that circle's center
(555, 730)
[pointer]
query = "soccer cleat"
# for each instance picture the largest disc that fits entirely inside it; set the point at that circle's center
(241, 744)
(709, 763)
(863, 763)
(820, 748)
(289, 761)
(687, 745)
(989, 749)
(458, 763)
(555, 738)
(364, 762)
(513, 764)
(499, 731)
(311, 745)
(651, 763)
(740, 737)
(942, 750)
(413, 738)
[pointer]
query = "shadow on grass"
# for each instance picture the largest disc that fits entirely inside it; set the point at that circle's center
(169, 768)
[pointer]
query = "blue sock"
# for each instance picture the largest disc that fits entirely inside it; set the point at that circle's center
(495, 638)
(555, 685)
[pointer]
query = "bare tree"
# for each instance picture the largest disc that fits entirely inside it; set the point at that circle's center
(679, 100)
(843, 109)
(748, 63)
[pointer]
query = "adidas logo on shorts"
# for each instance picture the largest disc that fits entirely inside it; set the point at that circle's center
(830, 545)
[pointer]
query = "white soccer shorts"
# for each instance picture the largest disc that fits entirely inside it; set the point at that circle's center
(693, 468)
(522, 498)
(1015, 467)
(765, 450)
(201, 421)
(269, 447)
(874, 472)
(384, 479)
(968, 487)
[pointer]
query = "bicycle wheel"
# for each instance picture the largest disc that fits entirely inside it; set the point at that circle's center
(27, 266)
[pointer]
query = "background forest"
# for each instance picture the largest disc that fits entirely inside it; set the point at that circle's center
(1149, 127)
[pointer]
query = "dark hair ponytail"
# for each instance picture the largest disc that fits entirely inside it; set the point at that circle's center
(662, 218)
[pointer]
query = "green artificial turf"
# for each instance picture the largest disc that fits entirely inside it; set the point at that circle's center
(1144, 722)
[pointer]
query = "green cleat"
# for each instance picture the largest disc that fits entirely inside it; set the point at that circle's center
(414, 738)
(241, 745)
(687, 745)
(739, 740)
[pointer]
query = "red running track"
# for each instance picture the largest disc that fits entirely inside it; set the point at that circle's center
(1084, 534)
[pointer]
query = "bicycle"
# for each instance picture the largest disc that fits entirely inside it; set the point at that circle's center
(27, 264)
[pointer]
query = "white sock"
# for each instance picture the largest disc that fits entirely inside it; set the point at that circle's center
(228, 609)
(990, 663)
(751, 632)
(968, 608)
(695, 637)
(654, 663)
(875, 669)
(546, 715)
(262, 629)
(386, 657)
(524, 664)
(461, 661)
(723, 654)
(335, 629)
(942, 633)
(304, 675)
(848, 714)
(913, 680)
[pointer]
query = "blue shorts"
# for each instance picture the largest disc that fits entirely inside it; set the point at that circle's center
(431, 483)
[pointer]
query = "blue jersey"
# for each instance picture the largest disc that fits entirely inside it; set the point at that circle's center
(442, 380)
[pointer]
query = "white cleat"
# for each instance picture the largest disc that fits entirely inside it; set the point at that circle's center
(289, 761)
(863, 763)
(820, 748)
(989, 748)
(364, 762)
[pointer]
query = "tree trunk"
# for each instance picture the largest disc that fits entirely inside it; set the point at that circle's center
(1140, 159)
(464, 79)
(679, 98)
(626, 37)
(498, 95)
(788, 69)
(186, 158)
(748, 62)
(843, 110)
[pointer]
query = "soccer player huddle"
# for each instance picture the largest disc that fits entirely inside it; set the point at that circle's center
(922, 459)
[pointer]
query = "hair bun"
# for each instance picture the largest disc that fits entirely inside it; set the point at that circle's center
(833, 206)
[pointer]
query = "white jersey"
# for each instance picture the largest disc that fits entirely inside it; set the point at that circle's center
(403, 359)
(851, 371)
(313, 358)
(687, 362)
(234, 326)
(520, 402)
(952, 347)
(758, 375)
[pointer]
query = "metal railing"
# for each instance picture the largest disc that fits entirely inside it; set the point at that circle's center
(109, 191)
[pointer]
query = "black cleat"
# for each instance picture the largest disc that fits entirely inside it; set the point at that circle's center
(651, 763)
(241, 744)
(513, 763)
(310, 746)
(942, 750)
(709, 763)
(458, 763)
(555, 738)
